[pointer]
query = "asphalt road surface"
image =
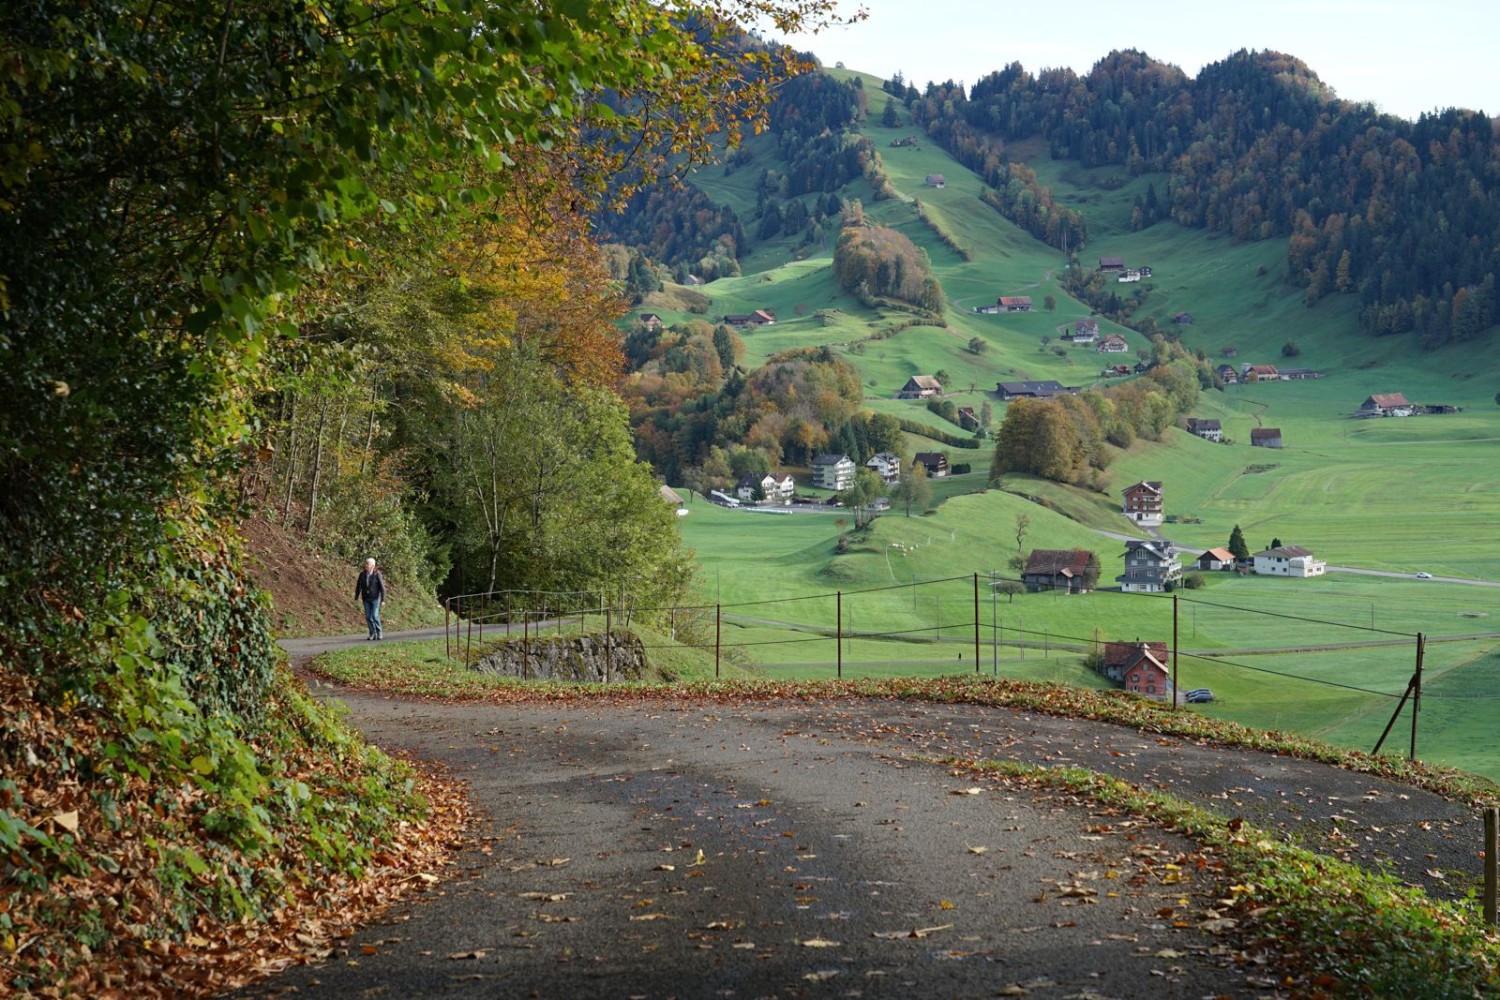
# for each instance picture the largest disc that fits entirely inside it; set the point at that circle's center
(685, 849)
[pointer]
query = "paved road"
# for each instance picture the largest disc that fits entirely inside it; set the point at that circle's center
(825, 837)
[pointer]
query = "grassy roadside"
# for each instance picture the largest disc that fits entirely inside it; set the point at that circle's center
(1343, 930)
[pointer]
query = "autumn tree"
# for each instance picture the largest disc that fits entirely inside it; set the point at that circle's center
(914, 490)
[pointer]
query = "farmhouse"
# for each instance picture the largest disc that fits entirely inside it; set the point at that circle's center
(1298, 374)
(1130, 275)
(967, 418)
(935, 462)
(1386, 404)
(1265, 437)
(1111, 263)
(1183, 319)
(1215, 559)
(1151, 567)
(1208, 430)
(1288, 560)
(760, 317)
(1115, 371)
(1008, 391)
(1067, 571)
(1118, 656)
(1113, 344)
(670, 495)
(833, 472)
(1227, 374)
(651, 321)
(1085, 331)
(935, 180)
(1014, 303)
(920, 387)
(886, 466)
(1149, 676)
(1259, 373)
(1142, 503)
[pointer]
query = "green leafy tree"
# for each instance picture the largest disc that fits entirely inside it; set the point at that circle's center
(1237, 546)
(977, 345)
(914, 491)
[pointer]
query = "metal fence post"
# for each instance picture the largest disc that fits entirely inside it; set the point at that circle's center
(838, 635)
(718, 625)
(1416, 695)
(608, 648)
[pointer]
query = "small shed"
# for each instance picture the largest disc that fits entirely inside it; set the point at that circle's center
(1265, 437)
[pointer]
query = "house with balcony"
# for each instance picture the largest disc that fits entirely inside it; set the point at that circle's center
(1142, 502)
(1151, 567)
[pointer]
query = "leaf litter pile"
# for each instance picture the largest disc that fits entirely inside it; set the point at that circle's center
(160, 887)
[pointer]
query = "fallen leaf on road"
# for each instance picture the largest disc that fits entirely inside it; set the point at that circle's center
(915, 933)
(461, 955)
(545, 897)
(818, 943)
(649, 916)
(967, 791)
(821, 977)
(978, 850)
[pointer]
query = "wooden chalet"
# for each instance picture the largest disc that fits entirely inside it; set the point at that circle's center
(1066, 571)
(935, 462)
(920, 387)
(1142, 502)
(1208, 430)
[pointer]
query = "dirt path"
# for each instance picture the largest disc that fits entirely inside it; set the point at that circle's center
(835, 860)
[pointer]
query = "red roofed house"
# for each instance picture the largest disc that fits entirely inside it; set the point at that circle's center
(1149, 676)
(1014, 303)
(1111, 263)
(1070, 571)
(1386, 404)
(1215, 559)
(1113, 344)
(1120, 656)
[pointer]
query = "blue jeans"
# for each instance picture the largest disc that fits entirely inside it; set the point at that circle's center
(372, 616)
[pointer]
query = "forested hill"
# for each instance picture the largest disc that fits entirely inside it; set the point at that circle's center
(1399, 213)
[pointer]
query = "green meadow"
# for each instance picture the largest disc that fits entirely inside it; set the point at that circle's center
(1398, 495)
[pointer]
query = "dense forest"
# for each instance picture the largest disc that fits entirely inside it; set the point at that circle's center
(1399, 213)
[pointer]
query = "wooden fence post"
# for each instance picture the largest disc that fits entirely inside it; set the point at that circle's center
(1491, 863)
(976, 623)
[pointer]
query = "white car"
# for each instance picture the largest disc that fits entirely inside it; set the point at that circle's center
(1424, 575)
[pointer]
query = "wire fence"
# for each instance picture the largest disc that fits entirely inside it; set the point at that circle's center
(960, 624)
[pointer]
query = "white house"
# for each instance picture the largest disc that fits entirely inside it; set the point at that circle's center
(833, 472)
(1288, 560)
(778, 489)
(886, 466)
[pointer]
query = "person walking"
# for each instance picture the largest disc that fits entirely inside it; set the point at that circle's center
(370, 588)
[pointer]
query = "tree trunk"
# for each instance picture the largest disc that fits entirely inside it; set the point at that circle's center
(291, 460)
(317, 472)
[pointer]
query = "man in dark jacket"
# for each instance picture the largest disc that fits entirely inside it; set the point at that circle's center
(370, 588)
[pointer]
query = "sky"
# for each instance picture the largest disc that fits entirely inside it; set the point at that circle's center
(1405, 57)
